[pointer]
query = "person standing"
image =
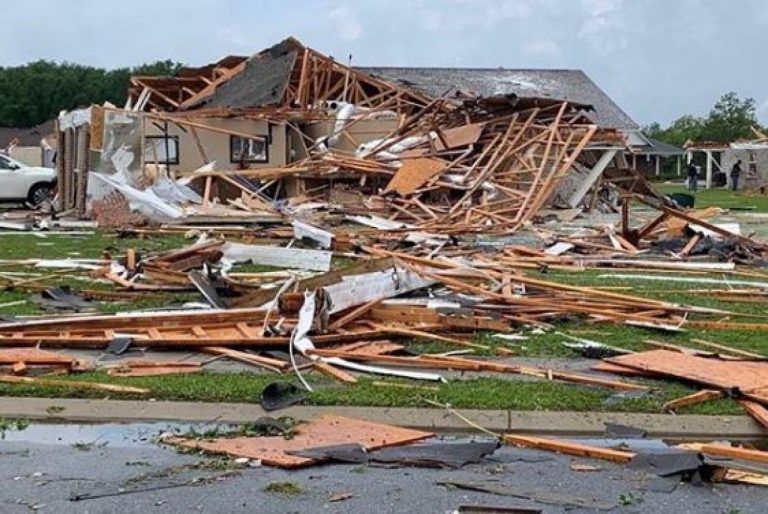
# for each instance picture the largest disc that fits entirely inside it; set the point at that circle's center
(693, 177)
(735, 173)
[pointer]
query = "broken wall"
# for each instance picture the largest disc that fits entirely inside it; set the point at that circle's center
(754, 164)
(217, 145)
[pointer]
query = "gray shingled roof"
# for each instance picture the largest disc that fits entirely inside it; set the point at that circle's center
(660, 148)
(572, 85)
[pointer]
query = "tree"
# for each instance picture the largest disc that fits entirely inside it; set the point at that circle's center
(36, 92)
(730, 119)
(679, 131)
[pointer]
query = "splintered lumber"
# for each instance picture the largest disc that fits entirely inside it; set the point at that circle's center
(749, 377)
(151, 369)
(74, 384)
(326, 430)
(332, 371)
(728, 349)
(733, 452)
(275, 365)
(10, 356)
(568, 448)
(757, 411)
(352, 315)
(444, 362)
(704, 395)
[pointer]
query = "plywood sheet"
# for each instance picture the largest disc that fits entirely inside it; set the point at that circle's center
(326, 430)
(33, 356)
(750, 377)
(413, 174)
(460, 136)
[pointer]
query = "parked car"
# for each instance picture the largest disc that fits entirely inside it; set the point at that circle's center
(19, 182)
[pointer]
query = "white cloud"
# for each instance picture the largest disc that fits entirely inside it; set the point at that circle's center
(542, 48)
(346, 22)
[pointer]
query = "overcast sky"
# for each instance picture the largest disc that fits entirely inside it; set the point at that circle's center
(658, 59)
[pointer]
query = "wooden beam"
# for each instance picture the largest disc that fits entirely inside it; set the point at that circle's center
(704, 395)
(568, 448)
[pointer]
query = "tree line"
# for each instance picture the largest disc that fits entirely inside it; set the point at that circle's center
(36, 92)
(731, 118)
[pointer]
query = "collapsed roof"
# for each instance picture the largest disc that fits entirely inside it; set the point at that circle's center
(572, 85)
(290, 75)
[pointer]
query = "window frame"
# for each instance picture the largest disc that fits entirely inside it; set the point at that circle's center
(173, 139)
(263, 138)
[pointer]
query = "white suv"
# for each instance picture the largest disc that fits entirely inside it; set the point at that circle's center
(19, 182)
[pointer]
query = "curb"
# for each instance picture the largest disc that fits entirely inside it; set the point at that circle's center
(438, 420)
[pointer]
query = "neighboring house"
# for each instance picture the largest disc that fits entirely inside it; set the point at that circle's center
(648, 159)
(719, 159)
(31, 146)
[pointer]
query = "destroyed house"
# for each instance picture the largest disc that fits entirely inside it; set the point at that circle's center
(289, 120)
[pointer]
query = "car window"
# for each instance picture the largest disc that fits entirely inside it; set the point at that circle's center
(5, 164)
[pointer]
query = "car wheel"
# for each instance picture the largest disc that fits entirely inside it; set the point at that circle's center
(38, 194)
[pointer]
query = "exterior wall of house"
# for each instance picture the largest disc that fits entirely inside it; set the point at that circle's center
(754, 164)
(217, 145)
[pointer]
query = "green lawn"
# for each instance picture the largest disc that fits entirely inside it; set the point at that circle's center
(720, 197)
(480, 393)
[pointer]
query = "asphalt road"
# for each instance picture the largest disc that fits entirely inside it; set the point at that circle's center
(42, 471)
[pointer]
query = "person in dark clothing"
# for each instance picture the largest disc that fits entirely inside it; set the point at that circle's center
(693, 177)
(735, 173)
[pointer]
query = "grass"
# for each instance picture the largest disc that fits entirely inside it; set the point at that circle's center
(720, 197)
(476, 393)
(483, 393)
(284, 488)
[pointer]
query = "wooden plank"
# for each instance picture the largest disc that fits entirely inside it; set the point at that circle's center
(336, 373)
(757, 411)
(73, 384)
(728, 349)
(275, 365)
(704, 395)
(352, 315)
(568, 448)
(733, 452)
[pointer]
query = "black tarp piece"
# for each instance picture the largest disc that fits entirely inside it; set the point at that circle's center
(492, 509)
(279, 395)
(671, 468)
(540, 495)
(119, 345)
(206, 289)
(62, 299)
(450, 455)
